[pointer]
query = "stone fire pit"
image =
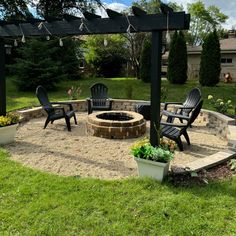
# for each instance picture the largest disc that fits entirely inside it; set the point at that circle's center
(116, 124)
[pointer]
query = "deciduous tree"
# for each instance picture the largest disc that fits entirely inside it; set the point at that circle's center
(203, 20)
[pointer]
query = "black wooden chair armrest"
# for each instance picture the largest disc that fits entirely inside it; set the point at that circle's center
(173, 124)
(171, 103)
(172, 114)
(186, 107)
(63, 103)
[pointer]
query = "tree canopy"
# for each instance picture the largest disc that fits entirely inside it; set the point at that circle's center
(105, 54)
(203, 20)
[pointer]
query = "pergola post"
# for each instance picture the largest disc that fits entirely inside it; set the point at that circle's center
(155, 87)
(2, 79)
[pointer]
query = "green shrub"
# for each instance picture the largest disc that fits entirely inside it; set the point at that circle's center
(143, 149)
(177, 60)
(145, 61)
(209, 74)
(220, 105)
(44, 62)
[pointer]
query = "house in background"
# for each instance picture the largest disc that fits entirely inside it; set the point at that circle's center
(228, 57)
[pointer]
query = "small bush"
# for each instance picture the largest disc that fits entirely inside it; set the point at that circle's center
(220, 105)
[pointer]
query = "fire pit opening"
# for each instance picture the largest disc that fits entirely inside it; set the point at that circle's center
(116, 124)
(115, 116)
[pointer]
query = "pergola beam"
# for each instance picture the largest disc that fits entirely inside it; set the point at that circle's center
(144, 23)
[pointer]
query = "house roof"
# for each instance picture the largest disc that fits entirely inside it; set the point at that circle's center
(227, 46)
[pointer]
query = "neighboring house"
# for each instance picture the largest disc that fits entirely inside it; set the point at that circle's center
(228, 57)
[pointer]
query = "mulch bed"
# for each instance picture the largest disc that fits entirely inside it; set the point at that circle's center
(203, 177)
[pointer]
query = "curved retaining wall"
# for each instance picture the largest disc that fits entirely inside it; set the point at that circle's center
(219, 124)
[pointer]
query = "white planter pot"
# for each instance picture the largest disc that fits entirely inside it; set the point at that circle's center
(7, 133)
(153, 169)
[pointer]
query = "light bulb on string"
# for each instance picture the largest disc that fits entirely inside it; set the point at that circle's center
(23, 39)
(61, 43)
(105, 42)
(168, 39)
(15, 43)
(81, 27)
(167, 32)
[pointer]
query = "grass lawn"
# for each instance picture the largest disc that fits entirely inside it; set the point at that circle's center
(118, 88)
(35, 203)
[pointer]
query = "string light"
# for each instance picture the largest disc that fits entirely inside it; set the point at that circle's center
(105, 42)
(41, 25)
(168, 32)
(61, 43)
(23, 36)
(81, 27)
(15, 43)
(130, 26)
(23, 39)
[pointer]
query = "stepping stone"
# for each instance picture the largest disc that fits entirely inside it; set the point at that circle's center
(210, 161)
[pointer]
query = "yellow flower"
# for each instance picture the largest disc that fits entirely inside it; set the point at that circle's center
(210, 97)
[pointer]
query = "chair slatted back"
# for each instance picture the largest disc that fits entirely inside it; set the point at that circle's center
(195, 113)
(41, 93)
(99, 94)
(192, 100)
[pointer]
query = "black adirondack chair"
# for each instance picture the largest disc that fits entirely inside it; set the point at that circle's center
(54, 113)
(185, 108)
(175, 131)
(99, 99)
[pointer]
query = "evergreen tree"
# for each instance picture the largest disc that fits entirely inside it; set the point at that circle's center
(183, 57)
(36, 66)
(177, 60)
(209, 74)
(145, 61)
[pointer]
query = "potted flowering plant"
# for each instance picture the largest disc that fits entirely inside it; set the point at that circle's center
(153, 161)
(8, 125)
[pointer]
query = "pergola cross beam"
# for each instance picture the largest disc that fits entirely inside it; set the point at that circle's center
(119, 24)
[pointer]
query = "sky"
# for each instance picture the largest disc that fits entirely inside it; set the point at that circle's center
(228, 7)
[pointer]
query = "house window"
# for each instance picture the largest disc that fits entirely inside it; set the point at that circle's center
(226, 60)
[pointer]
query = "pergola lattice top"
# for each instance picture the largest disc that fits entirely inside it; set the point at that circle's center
(94, 24)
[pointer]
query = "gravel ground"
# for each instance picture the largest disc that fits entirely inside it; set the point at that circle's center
(76, 153)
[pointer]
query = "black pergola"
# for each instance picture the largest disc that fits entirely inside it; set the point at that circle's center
(116, 23)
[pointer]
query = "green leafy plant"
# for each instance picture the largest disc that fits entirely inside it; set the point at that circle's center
(219, 104)
(232, 164)
(74, 92)
(9, 119)
(143, 149)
